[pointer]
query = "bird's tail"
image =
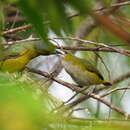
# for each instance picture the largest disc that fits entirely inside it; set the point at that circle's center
(107, 83)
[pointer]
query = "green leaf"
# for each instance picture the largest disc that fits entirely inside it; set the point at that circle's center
(1, 17)
(57, 16)
(33, 11)
(20, 103)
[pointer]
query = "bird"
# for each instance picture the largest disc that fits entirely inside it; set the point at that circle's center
(82, 71)
(17, 56)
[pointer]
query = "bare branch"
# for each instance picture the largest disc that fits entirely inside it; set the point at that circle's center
(121, 51)
(100, 46)
(83, 98)
(77, 89)
(18, 29)
(114, 90)
(121, 78)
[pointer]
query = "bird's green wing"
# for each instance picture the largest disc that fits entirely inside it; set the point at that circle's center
(90, 67)
(20, 47)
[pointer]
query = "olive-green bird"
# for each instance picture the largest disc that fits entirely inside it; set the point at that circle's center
(83, 72)
(16, 57)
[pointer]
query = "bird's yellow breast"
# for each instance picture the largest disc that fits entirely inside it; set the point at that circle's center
(16, 63)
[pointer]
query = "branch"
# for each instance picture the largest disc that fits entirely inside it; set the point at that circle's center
(83, 98)
(84, 48)
(121, 4)
(18, 29)
(104, 8)
(121, 78)
(77, 89)
(121, 51)
(116, 5)
(100, 46)
(114, 90)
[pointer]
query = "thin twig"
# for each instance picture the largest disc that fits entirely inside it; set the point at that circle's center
(121, 78)
(18, 29)
(84, 48)
(114, 90)
(104, 8)
(83, 89)
(115, 5)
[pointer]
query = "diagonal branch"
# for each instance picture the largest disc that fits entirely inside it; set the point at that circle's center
(77, 89)
(114, 90)
(121, 78)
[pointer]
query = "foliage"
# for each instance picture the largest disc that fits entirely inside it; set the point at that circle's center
(24, 105)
